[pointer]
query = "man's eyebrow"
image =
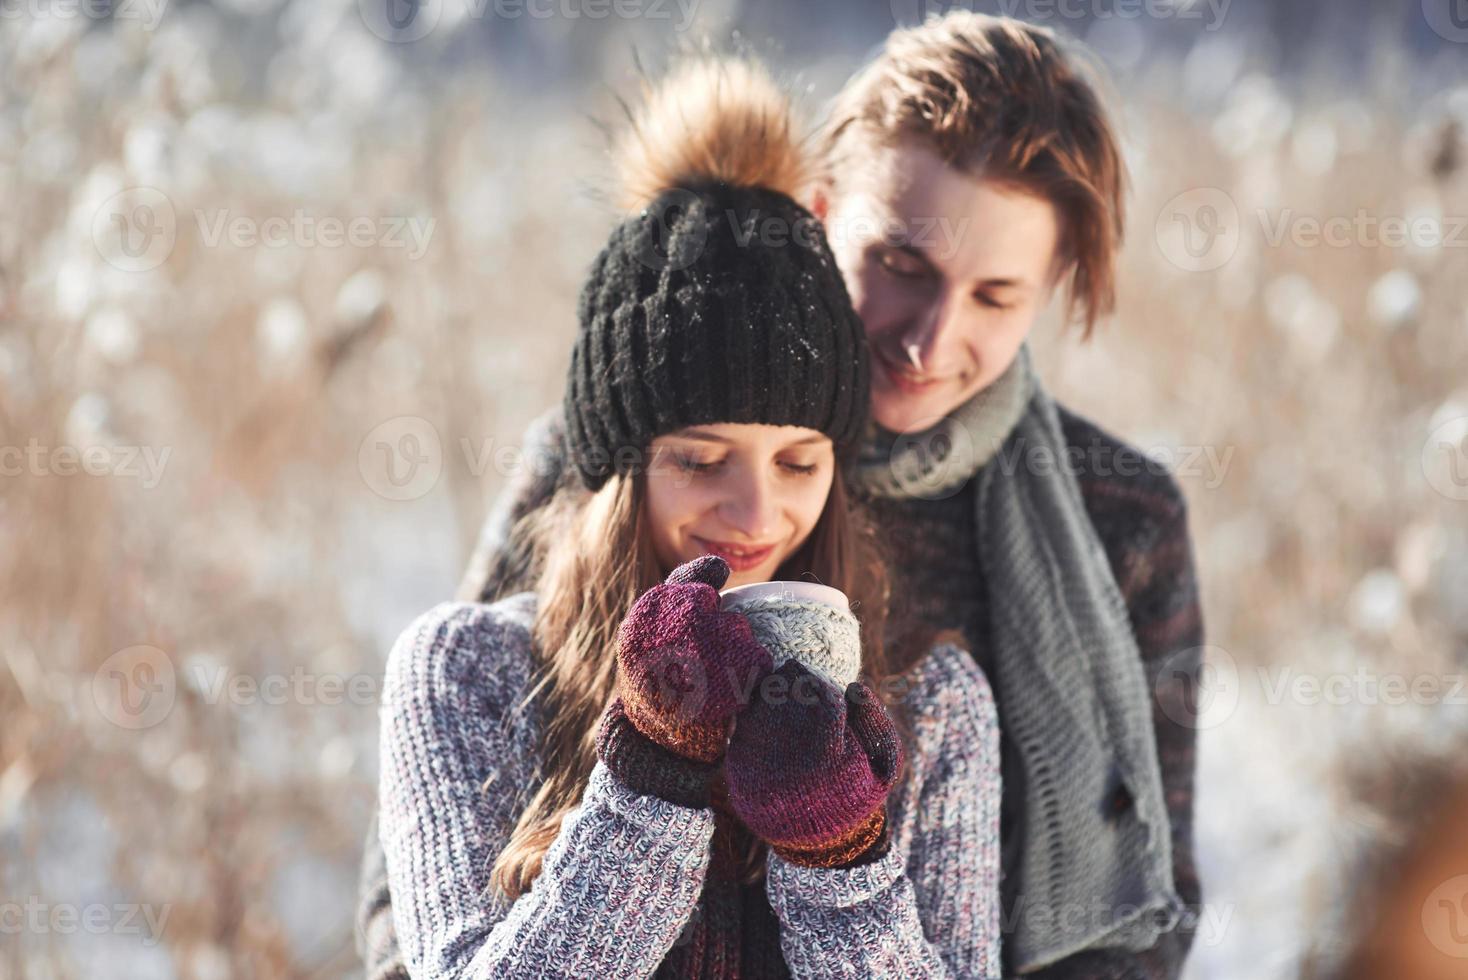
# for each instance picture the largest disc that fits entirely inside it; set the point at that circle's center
(1003, 282)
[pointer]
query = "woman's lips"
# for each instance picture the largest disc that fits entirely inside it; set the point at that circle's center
(741, 558)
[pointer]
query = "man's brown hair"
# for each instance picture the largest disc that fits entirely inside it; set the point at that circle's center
(1001, 99)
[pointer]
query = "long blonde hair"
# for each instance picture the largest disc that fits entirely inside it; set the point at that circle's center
(597, 560)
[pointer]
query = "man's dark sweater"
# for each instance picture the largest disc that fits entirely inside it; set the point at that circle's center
(1141, 518)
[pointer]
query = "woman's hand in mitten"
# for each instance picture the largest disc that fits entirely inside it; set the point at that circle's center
(685, 666)
(809, 768)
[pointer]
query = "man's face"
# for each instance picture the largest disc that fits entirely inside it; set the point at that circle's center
(948, 272)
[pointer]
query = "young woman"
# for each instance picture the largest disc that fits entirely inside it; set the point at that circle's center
(610, 776)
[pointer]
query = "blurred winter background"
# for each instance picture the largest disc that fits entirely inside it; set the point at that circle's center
(282, 282)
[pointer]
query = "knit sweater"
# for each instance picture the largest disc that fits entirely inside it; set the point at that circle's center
(1139, 514)
(625, 876)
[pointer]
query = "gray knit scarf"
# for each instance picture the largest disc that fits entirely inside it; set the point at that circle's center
(1070, 683)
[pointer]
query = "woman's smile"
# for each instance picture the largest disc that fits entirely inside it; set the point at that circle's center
(741, 557)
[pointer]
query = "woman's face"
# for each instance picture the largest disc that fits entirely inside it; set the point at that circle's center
(750, 494)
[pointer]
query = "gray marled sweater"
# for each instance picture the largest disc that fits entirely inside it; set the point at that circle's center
(624, 876)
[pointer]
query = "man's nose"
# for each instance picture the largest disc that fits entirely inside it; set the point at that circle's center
(932, 332)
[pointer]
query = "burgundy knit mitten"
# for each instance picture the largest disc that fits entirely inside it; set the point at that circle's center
(646, 767)
(809, 768)
(684, 665)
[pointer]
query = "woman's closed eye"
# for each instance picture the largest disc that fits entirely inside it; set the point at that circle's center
(694, 464)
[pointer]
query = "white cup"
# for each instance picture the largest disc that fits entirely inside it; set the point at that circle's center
(806, 591)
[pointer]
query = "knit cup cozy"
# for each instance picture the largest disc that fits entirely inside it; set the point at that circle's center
(823, 637)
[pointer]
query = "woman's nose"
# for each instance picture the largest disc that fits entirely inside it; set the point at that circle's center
(751, 508)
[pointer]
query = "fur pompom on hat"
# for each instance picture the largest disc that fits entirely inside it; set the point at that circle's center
(718, 299)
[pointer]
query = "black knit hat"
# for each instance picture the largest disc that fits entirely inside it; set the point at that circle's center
(718, 302)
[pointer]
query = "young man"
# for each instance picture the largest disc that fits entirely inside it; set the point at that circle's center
(971, 175)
